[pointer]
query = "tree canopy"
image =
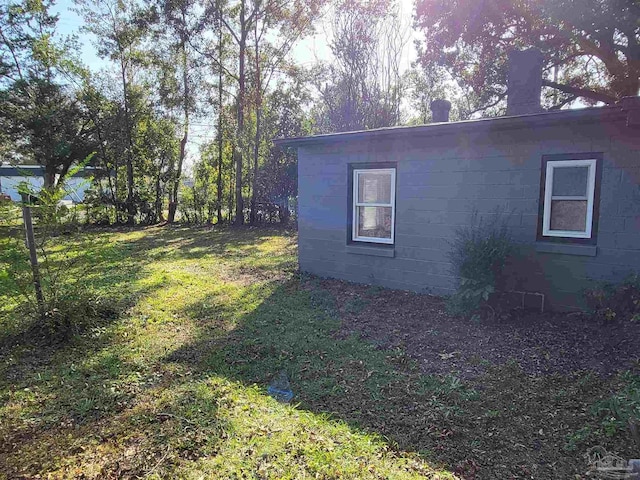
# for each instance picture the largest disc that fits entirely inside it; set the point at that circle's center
(180, 116)
(42, 117)
(591, 47)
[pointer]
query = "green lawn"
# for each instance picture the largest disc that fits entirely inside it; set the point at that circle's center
(172, 383)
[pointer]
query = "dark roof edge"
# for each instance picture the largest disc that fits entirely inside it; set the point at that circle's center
(507, 122)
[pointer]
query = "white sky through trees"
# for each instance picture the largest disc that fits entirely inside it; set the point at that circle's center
(306, 52)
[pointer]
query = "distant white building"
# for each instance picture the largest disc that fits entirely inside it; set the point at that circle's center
(11, 176)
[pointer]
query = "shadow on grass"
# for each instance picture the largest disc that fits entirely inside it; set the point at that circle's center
(89, 391)
(292, 329)
(108, 278)
(179, 382)
(187, 242)
(505, 424)
(187, 401)
(138, 418)
(88, 274)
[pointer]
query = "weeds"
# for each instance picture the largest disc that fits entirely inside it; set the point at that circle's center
(478, 255)
(621, 410)
(577, 439)
(60, 305)
(355, 305)
(616, 301)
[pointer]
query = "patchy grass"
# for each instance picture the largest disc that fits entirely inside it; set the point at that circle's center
(174, 386)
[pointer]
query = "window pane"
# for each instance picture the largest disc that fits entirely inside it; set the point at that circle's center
(570, 215)
(374, 187)
(570, 181)
(374, 222)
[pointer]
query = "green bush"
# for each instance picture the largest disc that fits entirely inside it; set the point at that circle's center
(77, 311)
(69, 306)
(621, 410)
(9, 213)
(65, 306)
(615, 301)
(478, 255)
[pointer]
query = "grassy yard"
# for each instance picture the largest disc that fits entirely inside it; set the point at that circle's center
(172, 382)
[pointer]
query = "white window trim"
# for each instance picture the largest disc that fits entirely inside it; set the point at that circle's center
(356, 204)
(548, 197)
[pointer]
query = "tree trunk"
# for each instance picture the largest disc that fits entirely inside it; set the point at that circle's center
(230, 212)
(112, 188)
(131, 208)
(256, 152)
(242, 44)
(284, 211)
(173, 204)
(159, 214)
(173, 197)
(220, 110)
(49, 180)
(239, 219)
(219, 179)
(256, 146)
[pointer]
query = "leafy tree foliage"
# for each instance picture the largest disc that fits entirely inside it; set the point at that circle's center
(591, 47)
(211, 188)
(43, 121)
(121, 27)
(178, 75)
(251, 24)
(154, 151)
(47, 125)
(278, 175)
(217, 74)
(362, 89)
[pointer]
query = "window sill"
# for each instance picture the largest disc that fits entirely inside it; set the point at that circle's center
(567, 249)
(376, 251)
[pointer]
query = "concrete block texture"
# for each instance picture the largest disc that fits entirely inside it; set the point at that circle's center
(442, 180)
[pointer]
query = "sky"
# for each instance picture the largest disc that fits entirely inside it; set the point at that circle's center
(306, 52)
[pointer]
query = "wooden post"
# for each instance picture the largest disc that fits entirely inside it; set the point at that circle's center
(33, 256)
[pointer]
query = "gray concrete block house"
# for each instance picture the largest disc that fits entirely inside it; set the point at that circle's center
(381, 206)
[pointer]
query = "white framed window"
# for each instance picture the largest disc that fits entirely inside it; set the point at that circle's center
(569, 193)
(374, 197)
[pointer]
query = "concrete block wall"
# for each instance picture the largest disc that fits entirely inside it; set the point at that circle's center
(441, 180)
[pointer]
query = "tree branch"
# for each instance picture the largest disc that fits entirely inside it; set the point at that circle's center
(563, 103)
(216, 61)
(581, 92)
(231, 31)
(484, 107)
(13, 53)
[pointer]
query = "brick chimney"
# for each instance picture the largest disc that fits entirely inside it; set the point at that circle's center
(440, 110)
(524, 82)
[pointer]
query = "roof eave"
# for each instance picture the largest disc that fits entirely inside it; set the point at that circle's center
(507, 122)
